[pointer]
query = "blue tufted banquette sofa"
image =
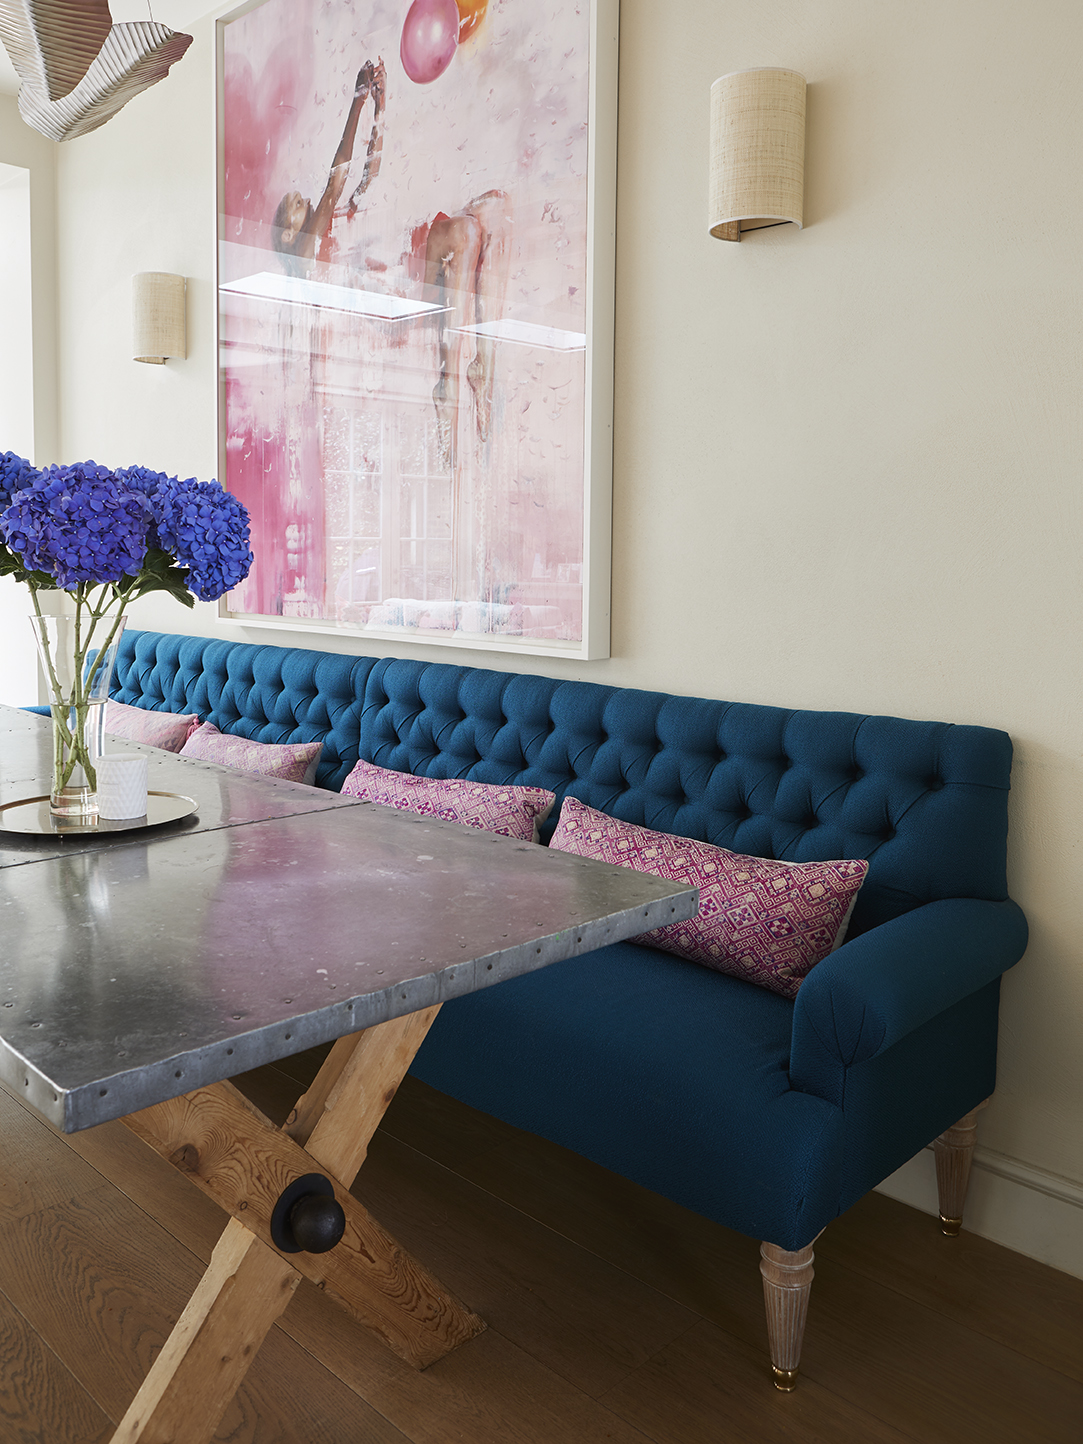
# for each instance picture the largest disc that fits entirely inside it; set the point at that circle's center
(767, 1115)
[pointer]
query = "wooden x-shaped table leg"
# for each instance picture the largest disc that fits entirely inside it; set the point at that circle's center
(232, 1152)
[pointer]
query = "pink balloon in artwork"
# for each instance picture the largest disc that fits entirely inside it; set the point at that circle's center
(429, 38)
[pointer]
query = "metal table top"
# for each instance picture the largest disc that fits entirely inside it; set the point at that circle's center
(138, 966)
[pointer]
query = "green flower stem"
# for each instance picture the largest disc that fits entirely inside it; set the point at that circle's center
(87, 685)
(70, 712)
(54, 684)
(60, 749)
(63, 751)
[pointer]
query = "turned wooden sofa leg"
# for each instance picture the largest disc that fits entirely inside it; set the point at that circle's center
(787, 1283)
(954, 1151)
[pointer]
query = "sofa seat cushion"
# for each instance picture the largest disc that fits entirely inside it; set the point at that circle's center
(665, 1072)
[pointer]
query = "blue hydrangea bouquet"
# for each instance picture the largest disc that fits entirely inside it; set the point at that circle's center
(105, 538)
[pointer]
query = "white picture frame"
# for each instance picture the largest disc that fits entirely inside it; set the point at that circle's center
(533, 611)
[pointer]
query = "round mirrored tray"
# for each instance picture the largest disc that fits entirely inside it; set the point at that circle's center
(32, 815)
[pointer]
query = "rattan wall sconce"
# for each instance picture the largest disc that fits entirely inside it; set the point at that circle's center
(158, 330)
(757, 151)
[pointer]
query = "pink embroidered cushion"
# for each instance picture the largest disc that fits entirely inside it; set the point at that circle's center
(168, 730)
(767, 922)
(492, 807)
(293, 761)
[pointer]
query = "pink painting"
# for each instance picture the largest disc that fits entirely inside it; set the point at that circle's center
(403, 314)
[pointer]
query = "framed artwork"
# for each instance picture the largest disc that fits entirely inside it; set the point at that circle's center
(415, 316)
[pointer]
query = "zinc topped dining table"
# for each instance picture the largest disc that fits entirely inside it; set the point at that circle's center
(141, 969)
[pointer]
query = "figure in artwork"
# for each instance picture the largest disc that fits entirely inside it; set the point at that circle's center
(466, 262)
(301, 231)
(466, 270)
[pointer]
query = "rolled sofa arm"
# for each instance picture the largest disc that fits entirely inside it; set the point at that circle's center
(885, 983)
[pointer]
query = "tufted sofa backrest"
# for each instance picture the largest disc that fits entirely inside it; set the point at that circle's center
(925, 802)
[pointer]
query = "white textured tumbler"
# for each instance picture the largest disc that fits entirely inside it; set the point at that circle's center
(122, 785)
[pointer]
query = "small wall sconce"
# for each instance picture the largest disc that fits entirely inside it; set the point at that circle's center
(757, 151)
(158, 317)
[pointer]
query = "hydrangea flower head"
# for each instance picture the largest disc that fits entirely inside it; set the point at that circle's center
(206, 529)
(16, 473)
(77, 523)
(148, 483)
(141, 478)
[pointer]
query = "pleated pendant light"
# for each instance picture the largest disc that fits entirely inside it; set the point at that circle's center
(76, 67)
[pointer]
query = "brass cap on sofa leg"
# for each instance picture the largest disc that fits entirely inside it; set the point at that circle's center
(785, 1379)
(950, 1227)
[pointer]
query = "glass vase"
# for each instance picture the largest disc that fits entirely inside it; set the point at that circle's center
(77, 655)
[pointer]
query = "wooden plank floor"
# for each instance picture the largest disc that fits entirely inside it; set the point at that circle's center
(613, 1314)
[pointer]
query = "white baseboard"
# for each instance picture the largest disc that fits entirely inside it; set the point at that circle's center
(1035, 1213)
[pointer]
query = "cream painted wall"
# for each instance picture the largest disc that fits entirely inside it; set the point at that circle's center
(20, 146)
(35, 430)
(18, 675)
(847, 459)
(16, 377)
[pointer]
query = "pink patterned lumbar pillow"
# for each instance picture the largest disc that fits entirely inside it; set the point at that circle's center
(168, 730)
(767, 922)
(492, 807)
(293, 761)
